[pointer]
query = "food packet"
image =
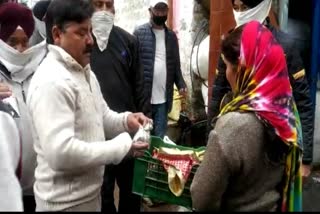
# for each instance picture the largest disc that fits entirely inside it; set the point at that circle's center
(143, 134)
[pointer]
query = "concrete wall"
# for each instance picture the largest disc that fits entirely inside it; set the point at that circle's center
(130, 14)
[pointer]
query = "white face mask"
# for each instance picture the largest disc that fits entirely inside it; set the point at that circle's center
(258, 13)
(102, 23)
(16, 61)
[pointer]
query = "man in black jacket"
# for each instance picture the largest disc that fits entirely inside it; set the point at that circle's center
(115, 61)
(160, 56)
(243, 11)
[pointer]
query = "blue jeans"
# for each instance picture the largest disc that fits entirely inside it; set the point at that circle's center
(160, 119)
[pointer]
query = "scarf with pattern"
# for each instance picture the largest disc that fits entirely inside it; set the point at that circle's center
(263, 87)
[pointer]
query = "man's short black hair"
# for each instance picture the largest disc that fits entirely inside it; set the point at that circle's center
(40, 9)
(161, 6)
(61, 12)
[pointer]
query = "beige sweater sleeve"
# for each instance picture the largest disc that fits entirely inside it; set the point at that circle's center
(52, 109)
(113, 122)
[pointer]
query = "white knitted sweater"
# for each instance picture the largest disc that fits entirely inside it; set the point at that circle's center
(72, 121)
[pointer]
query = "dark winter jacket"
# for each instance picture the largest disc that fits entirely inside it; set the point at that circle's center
(147, 42)
(299, 85)
(120, 73)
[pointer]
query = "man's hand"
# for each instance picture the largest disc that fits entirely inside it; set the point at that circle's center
(5, 91)
(183, 92)
(306, 171)
(138, 148)
(136, 120)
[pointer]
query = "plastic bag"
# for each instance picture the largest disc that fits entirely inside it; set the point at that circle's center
(143, 134)
(167, 140)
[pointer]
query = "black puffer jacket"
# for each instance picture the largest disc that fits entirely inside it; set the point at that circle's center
(299, 85)
(147, 42)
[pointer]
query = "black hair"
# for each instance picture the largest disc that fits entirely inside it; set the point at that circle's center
(230, 47)
(161, 6)
(40, 9)
(249, 3)
(61, 12)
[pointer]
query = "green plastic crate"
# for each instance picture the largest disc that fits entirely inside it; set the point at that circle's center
(151, 180)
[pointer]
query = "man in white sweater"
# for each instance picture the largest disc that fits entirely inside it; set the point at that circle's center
(71, 119)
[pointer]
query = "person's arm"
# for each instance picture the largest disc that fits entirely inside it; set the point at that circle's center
(211, 178)
(142, 100)
(178, 80)
(136, 32)
(147, 95)
(114, 123)
(219, 89)
(226, 156)
(302, 96)
(10, 189)
(52, 108)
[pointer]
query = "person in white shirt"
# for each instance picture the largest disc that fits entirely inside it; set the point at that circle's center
(159, 51)
(10, 164)
(71, 119)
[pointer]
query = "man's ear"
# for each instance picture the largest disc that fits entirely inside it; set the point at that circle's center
(56, 35)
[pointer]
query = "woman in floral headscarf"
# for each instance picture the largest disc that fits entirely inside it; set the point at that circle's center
(253, 157)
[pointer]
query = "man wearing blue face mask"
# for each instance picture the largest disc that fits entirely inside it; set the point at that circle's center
(115, 61)
(160, 56)
(244, 12)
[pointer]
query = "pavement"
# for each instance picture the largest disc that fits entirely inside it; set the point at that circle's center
(311, 193)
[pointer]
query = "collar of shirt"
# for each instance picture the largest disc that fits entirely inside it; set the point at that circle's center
(69, 61)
